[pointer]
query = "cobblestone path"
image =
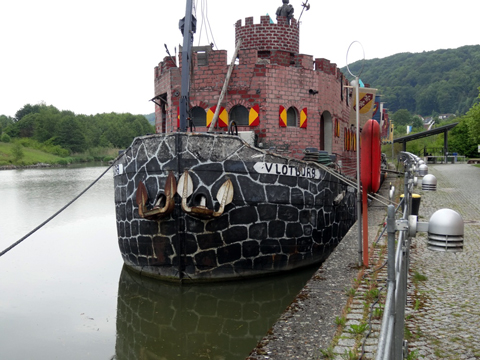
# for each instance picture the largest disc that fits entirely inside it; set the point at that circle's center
(443, 311)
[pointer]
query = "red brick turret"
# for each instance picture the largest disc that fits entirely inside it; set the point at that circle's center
(268, 36)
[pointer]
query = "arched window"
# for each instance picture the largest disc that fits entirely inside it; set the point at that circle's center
(199, 116)
(239, 114)
(292, 117)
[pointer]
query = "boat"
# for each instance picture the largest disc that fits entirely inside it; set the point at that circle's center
(250, 170)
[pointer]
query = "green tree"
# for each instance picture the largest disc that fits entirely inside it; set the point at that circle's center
(70, 135)
(25, 110)
(472, 119)
(17, 152)
(25, 126)
(46, 123)
(5, 121)
(402, 117)
(417, 123)
(460, 142)
(5, 138)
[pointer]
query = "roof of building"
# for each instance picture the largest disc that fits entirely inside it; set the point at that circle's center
(427, 133)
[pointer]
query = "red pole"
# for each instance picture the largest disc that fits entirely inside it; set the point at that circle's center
(365, 226)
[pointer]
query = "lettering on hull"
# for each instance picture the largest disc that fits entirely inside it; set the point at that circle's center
(287, 170)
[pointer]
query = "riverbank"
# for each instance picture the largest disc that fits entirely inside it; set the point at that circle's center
(35, 166)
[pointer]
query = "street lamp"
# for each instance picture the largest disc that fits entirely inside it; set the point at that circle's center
(355, 85)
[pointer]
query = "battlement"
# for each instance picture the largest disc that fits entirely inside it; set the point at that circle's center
(268, 36)
(324, 65)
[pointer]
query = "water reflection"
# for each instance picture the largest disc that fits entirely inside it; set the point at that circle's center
(162, 321)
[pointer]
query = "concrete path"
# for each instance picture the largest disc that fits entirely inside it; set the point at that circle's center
(443, 319)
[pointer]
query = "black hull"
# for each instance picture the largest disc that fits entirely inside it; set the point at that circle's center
(283, 214)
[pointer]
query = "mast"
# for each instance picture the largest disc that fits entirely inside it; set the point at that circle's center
(188, 27)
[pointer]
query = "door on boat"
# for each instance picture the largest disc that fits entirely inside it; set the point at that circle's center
(326, 132)
(162, 127)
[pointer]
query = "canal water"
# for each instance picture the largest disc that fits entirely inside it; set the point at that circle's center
(64, 293)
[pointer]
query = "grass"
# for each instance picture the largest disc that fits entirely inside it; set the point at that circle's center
(377, 313)
(358, 329)
(340, 321)
(350, 355)
(417, 277)
(413, 355)
(327, 353)
(350, 292)
(31, 156)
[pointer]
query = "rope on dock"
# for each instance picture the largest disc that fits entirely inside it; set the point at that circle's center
(58, 212)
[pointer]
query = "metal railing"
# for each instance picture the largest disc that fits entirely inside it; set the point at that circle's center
(445, 234)
(445, 159)
(391, 343)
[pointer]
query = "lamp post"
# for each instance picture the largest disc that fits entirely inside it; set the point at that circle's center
(355, 84)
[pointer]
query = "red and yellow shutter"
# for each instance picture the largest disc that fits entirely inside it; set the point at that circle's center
(222, 116)
(210, 114)
(345, 139)
(303, 118)
(254, 116)
(282, 117)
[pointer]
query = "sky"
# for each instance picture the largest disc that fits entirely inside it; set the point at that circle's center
(98, 56)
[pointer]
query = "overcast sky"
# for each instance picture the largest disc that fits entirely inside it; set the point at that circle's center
(96, 56)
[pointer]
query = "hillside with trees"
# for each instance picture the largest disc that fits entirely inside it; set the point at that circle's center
(63, 133)
(427, 83)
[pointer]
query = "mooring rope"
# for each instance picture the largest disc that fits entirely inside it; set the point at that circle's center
(58, 212)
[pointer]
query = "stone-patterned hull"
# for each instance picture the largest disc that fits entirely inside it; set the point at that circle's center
(283, 214)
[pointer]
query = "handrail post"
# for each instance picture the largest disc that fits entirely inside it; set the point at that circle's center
(388, 322)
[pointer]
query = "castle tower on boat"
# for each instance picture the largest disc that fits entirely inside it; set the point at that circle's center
(280, 99)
